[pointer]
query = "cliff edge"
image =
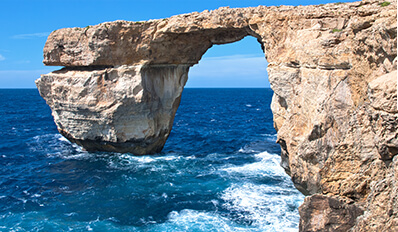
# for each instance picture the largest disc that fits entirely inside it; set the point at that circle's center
(333, 70)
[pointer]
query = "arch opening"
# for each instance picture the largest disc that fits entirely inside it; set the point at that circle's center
(225, 126)
(234, 65)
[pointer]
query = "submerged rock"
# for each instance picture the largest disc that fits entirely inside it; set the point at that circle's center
(332, 68)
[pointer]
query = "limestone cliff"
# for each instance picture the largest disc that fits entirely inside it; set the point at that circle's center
(332, 68)
(123, 109)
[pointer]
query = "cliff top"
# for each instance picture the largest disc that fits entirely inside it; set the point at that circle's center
(183, 39)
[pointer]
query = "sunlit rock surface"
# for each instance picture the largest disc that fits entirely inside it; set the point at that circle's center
(332, 68)
(123, 109)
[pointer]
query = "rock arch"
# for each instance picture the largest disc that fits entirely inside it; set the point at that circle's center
(332, 68)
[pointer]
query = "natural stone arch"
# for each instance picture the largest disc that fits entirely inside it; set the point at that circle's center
(328, 66)
(153, 64)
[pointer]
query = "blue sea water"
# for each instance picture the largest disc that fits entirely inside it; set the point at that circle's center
(219, 171)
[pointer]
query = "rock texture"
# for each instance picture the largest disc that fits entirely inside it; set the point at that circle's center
(327, 214)
(332, 68)
(123, 109)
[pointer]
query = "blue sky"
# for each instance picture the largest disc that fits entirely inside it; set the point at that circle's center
(27, 23)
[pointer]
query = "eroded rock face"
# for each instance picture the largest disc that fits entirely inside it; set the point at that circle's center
(123, 109)
(327, 214)
(332, 68)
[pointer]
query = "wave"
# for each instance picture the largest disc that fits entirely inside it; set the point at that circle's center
(262, 194)
(264, 143)
(55, 145)
(153, 163)
(270, 208)
(266, 165)
(193, 220)
(243, 191)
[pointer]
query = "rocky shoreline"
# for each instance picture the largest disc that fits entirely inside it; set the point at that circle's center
(332, 69)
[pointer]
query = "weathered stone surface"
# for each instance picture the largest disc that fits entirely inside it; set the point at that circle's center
(123, 109)
(324, 213)
(332, 68)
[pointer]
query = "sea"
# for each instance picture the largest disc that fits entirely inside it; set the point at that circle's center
(219, 171)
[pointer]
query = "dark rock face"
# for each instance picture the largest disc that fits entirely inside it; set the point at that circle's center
(323, 213)
(332, 68)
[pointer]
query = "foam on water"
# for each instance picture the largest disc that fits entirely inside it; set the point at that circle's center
(267, 164)
(268, 205)
(192, 220)
(269, 208)
(55, 145)
(249, 203)
(216, 172)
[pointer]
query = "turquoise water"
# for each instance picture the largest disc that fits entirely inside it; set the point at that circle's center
(219, 171)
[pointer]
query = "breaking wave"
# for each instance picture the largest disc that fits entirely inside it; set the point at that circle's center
(216, 173)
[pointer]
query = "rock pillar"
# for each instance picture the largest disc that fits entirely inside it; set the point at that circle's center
(120, 109)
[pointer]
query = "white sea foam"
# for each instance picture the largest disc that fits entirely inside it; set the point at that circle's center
(246, 150)
(269, 208)
(269, 137)
(63, 139)
(258, 146)
(71, 214)
(192, 220)
(80, 156)
(55, 145)
(146, 158)
(267, 165)
(36, 195)
(150, 163)
(23, 200)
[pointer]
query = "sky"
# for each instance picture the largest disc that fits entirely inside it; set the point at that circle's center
(25, 25)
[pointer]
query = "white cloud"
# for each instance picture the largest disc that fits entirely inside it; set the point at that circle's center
(31, 36)
(2, 58)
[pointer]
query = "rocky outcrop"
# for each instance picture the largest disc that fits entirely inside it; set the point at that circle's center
(123, 109)
(325, 213)
(332, 68)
